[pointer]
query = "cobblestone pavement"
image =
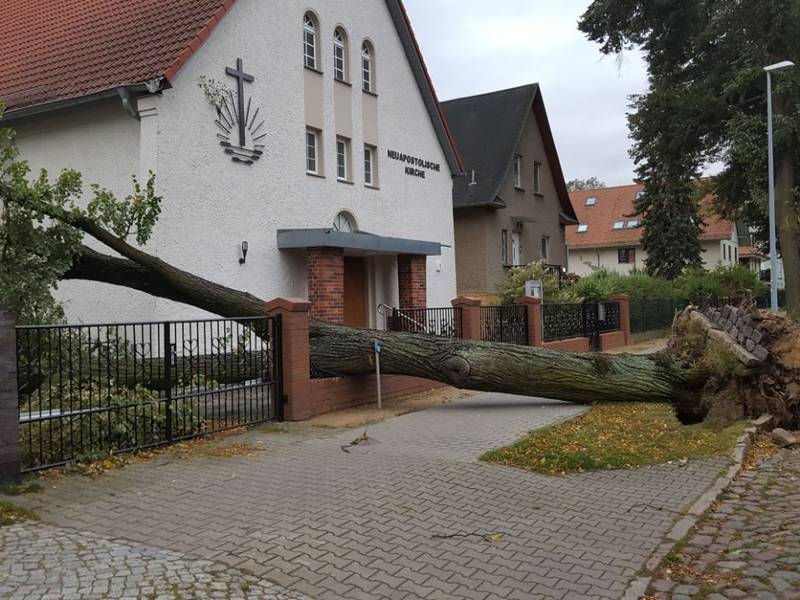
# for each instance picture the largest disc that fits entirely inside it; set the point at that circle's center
(42, 562)
(748, 546)
(366, 524)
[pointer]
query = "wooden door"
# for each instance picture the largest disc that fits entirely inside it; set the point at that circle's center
(355, 292)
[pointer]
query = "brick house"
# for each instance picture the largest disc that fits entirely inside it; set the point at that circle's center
(513, 204)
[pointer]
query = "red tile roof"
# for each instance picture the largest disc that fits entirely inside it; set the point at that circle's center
(616, 204)
(750, 252)
(62, 49)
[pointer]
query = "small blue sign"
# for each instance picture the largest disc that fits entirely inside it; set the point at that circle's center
(378, 346)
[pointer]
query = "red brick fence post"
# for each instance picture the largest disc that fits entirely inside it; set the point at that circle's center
(9, 400)
(296, 365)
(535, 326)
(470, 316)
(624, 316)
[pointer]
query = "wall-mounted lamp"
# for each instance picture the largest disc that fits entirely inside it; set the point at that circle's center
(244, 253)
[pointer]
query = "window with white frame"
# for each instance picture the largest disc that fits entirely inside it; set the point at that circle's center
(342, 159)
(545, 247)
(340, 55)
(370, 170)
(310, 41)
(367, 67)
(504, 246)
(537, 177)
(312, 151)
(517, 171)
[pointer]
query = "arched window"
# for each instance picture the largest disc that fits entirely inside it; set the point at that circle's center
(310, 41)
(340, 55)
(368, 67)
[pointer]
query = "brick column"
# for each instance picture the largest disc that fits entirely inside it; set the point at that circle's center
(296, 365)
(412, 279)
(624, 316)
(326, 284)
(470, 316)
(9, 401)
(535, 325)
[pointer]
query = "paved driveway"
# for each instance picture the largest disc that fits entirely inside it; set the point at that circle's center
(374, 522)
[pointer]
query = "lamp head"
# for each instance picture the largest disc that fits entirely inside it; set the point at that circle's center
(786, 64)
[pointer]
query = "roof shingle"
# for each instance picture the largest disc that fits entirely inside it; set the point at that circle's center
(617, 204)
(63, 49)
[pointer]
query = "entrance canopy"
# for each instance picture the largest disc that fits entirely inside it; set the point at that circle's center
(354, 242)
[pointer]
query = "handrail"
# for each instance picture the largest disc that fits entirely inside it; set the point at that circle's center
(398, 312)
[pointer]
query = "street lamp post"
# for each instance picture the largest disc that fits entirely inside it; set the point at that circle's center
(773, 225)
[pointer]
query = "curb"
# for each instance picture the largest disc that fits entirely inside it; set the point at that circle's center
(638, 586)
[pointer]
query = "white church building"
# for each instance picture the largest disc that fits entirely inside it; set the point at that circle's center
(299, 148)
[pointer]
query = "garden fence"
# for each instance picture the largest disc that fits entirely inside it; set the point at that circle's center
(88, 390)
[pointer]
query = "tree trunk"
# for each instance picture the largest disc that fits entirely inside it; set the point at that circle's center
(506, 368)
(788, 213)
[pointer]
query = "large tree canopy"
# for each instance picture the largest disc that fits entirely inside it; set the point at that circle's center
(707, 103)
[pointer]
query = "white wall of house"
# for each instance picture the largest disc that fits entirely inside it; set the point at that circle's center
(211, 204)
(585, 261)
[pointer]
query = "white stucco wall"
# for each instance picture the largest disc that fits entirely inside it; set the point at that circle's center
(212, 204)
(584, 261)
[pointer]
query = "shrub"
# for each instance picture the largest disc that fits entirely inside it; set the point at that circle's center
(603, 284)
(513, 286)
(737, 282)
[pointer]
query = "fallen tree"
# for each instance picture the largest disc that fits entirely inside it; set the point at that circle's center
(43, 232)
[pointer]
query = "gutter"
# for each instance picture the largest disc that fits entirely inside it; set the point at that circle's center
(126, 93)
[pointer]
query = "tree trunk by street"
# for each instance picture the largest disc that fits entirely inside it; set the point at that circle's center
(788, 217)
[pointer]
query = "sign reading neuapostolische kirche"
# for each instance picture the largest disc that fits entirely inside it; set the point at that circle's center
(415, 166)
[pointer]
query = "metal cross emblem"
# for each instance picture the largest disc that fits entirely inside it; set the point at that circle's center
(234, 113)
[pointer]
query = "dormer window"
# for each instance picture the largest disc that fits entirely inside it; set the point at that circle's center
(619, 224)
(591, 201)
(340, 55)
(310, 41)
(583, 228)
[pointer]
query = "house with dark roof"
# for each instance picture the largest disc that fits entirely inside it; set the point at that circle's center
(299, 147)
(512, 207)
(608, 235)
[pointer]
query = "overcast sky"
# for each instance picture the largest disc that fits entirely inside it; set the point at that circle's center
(475, 46)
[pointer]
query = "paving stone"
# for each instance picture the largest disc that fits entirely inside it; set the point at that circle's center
(344, 526)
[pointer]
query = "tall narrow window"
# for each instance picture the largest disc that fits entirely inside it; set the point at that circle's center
(312, 152)
(342, 159)
(310, 41)
(504, 246)
(517, 171)
(340, 55)
(537, 177)
(367, 68)
(545, 247)
(369, 166)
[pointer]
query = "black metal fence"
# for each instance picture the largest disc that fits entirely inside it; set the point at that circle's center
(561, 321)
(655, 314)
(90, 390)
(440, 322)
(507, 323)
(590, 319)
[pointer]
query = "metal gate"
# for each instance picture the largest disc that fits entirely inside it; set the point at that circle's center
(90, 390)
